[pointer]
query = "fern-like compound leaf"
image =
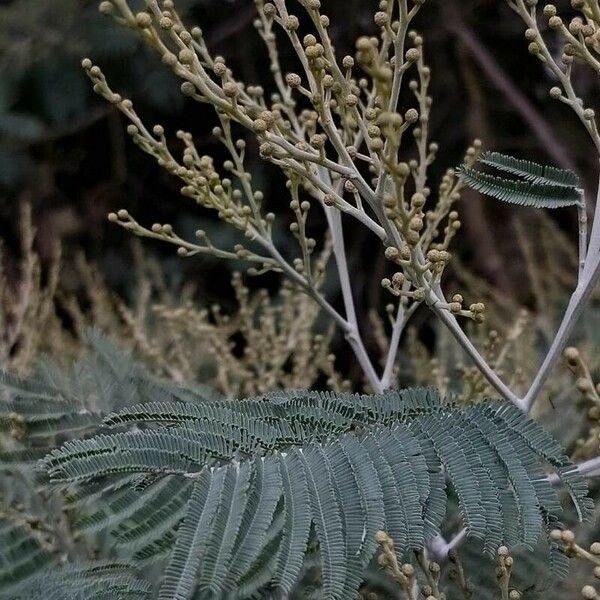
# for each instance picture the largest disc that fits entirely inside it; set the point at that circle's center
(132, 510)
(180, 575)
(532, 171)
(262, 503)
(327, 517)
(297, 521)
(268, 471)
(225, 528)
(22, 555)
(102, 580)
(535, 194)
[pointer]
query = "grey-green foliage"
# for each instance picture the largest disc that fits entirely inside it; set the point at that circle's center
(40, 412)
(264, 475)
(533, 184)
(55, 404)
(21, 554)
(235, 494)
(101, 580)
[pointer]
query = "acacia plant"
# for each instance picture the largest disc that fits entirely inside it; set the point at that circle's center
(267, 481)
(346, 146)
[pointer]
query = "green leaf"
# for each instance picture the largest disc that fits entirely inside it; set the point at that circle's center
(269, 470)
(529, 170)
(537, 194)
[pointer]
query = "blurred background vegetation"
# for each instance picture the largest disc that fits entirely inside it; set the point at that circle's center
(65, 151)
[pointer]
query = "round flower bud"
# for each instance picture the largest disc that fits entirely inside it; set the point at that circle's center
(230, 89)
(434, 567)
(317, 140)
(313, 53)
(267, 116)
(416, 224)
(571, 354)
(555, 22)
(376, 144)
(588, 592)
(293, 80)
(381, 537)
(575, 26)
(589, 114)
(188, 88)
(412, 54)
(530, 34)
(398, 279)
(408, 570)
(349, 186)
(417, 200)
(143, 20)
(595, 548)
(550, 10)
(269, 10)
(309, 40)
(220, 68)
(291, 23)
(455, 307)
(169, 59)
(411, 115)
(260, 126)
(347, 62)
(381, 19)
(106, 8)
(328, 81)
(363, 44)
(567, 536)
(555, 92)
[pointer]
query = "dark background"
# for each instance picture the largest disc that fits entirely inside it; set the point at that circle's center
(66, 152)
